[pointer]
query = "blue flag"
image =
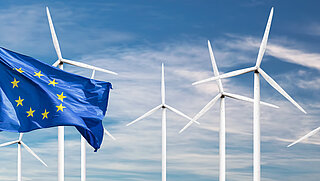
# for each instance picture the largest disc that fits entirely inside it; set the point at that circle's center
(34, 95)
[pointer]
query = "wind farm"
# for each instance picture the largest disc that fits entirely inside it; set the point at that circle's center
(103, 64)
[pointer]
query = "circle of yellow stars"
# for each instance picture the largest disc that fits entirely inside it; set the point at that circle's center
(19, 101)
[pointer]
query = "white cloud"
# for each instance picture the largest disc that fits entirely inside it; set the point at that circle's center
(138, 90)
(280, 48)
(137, 150)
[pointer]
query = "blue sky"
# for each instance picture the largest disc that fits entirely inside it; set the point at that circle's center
(133, 38)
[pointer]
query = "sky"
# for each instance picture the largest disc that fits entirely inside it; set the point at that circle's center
(133, 38)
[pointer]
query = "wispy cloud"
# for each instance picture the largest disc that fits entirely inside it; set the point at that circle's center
(281, 49)
(143, 68)
(26, 28)
(136, 154)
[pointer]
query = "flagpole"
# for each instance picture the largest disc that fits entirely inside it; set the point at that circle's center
(61, 148)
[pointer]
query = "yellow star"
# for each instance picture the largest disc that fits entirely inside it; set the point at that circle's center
(61, 97)
(19, 101)
(19, 70)
(30, 112)
(60, 108)
(53, 82)
(15, 83)
(45, 114)
(38, 74)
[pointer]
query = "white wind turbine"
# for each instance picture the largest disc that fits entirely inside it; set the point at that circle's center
(162, 106)
(60, 62)
(20, 142)
(256, 108)
(83, 147)
(311, 133)
(221, 95)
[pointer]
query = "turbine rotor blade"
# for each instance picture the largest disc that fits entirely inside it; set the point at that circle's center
(146, 114)
(247, 99)
(83, 65)
(264, 41)
(20, 136)
(55, 64)
(203, 111)
(215, 67)
(227, 75)
(109, 134)
(279, 89)
(9, 143)
(93, 73)
(305, 136)
(180, 113)
(163, 94)
(32, 153)
(53, 35)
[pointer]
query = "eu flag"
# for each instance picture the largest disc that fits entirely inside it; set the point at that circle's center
(34, 95)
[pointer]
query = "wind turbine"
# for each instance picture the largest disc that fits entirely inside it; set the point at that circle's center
(83, 147)
(221, 95)
(20, 142)
(60, 62)
(256, 108)
(311, 133)
(164, 107)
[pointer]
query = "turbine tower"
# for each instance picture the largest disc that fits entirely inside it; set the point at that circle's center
(311, 133)
(221, 95)
(20, 142)
(164, 107)
(256, 108)
(60, 63)
(83, 148)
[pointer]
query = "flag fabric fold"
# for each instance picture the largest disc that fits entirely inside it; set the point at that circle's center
(34, 95)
